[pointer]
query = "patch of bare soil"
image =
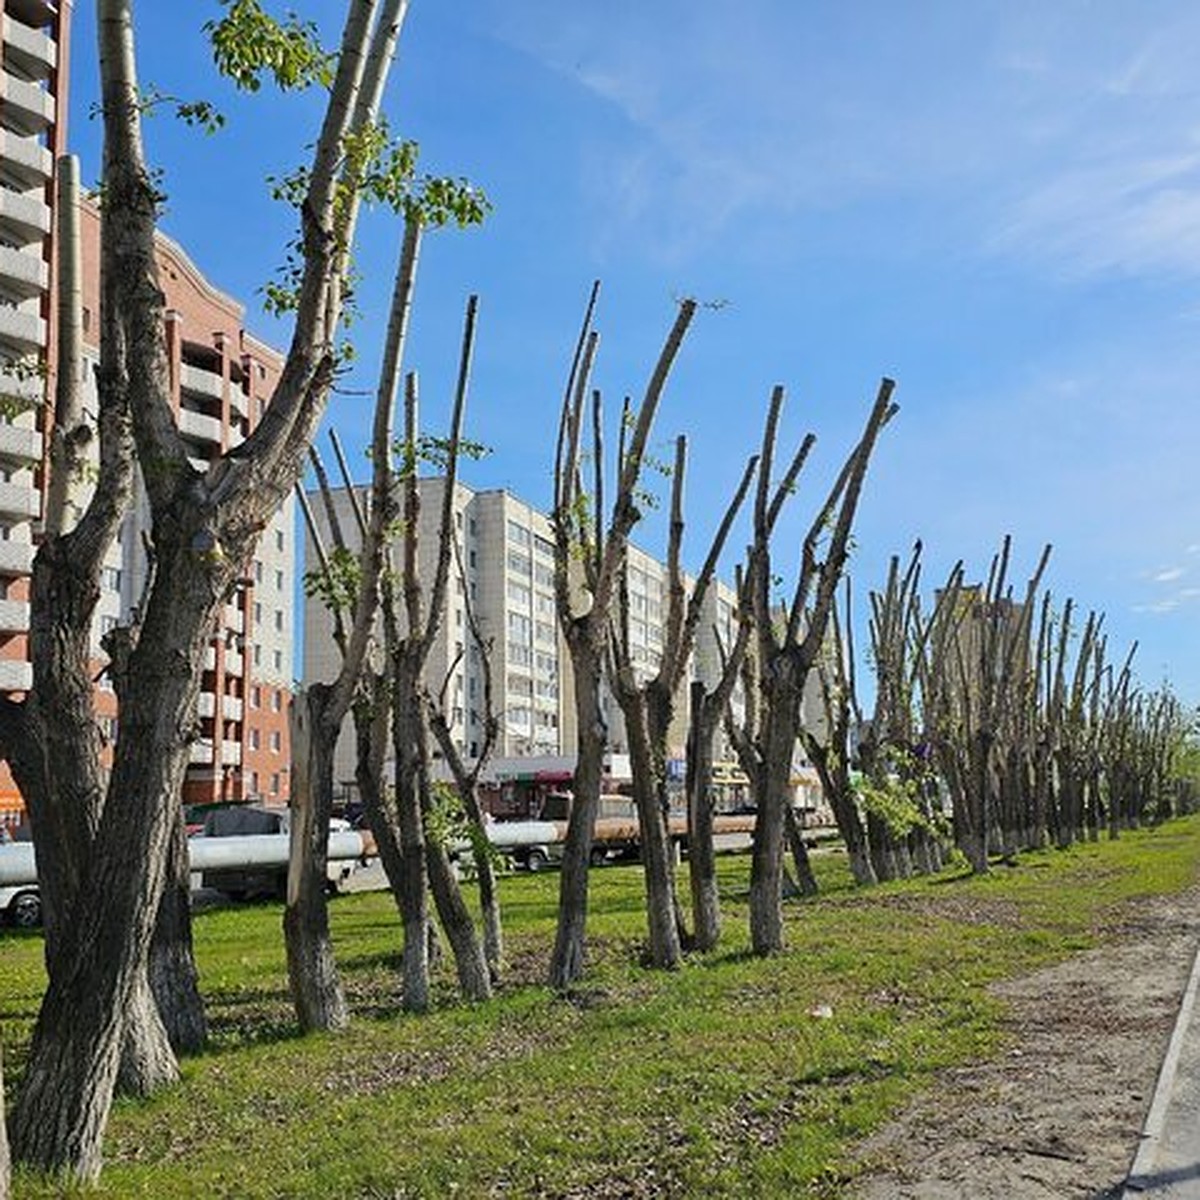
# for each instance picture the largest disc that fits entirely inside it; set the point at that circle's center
(1059, 1113)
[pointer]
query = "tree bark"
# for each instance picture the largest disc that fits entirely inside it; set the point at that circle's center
(772, 796)
(73, 1062)
(147, 1058)
(664, 950)
(474, 976)
(567, 959)
(312, 971)
(804, 873)
(414, 904)
(702, 859)
(174, 980)
(5, 1165)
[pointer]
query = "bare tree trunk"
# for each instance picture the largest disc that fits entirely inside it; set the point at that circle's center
(772, 796)
(664, 950)
(147, 1060)
(74, 1055)
(312, 971)
(5, 1165)
(174, 979)
(702, 859)
(474, 977)
(414, 904)
(795, 836)
(567, 961)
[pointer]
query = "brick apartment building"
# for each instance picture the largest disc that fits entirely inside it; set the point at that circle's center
(221, 380)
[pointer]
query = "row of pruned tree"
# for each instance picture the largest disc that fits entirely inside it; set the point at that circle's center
(999, 724)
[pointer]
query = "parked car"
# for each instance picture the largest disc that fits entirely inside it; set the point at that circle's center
(21, 906)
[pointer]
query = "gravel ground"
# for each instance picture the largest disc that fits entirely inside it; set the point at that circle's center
(1059, 1114)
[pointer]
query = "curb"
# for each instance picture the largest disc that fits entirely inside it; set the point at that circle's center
(1140, 1178)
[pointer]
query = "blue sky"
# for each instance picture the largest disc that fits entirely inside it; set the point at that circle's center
(996, 203)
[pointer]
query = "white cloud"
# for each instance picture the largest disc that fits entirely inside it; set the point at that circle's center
(1169, 575)
(1067, 135)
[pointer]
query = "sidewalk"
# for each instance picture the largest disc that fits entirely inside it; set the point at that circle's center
(1167, 1164)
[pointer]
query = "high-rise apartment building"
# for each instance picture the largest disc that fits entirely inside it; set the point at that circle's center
(507, 550)
(33, 86)
(221, 381)
(222, 378)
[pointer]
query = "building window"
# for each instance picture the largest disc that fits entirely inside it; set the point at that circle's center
(258, 656)
(258, 570)
(110, 579)
(257, 613)
(518, 534)
(276, 741)
(279, 540)
(277, 659)
(275, 784)
(520, 629)
(256, 697)
(279, 581)
(276, 702)
(279, 620)
(254, 739)
(254, 783)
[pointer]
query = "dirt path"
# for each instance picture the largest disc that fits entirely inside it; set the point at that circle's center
(1059, 1114)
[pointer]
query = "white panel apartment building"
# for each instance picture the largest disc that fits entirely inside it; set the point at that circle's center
(508, 556)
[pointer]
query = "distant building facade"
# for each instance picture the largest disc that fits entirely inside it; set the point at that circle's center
(507, 550)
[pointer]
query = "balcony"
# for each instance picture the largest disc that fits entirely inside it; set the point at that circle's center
(25, 331)
(231, 708)
(24, 271)
(201, 753)
(231, 754)
(210, 658)
(233, 619)
(197, 425)
(28, 107)
(15, 675)
(29, 49)
(33, 12)
(235, 663)
(16, 558)
(20, 500)
(206, 705)
(239, 402)
(14, 616)
(18, 391)
(201, 381)
(19, 446)
(27, 160)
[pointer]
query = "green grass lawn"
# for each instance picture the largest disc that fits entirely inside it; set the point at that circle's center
(728, 1077)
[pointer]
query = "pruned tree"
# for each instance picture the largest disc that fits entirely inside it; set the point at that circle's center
(425, 861)
(587, 566)
(649, 704)
(466, 777)
(708, 706)
(52, 740)
(320, 710)
(789, 642)
(828, 745)
(204, 531)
